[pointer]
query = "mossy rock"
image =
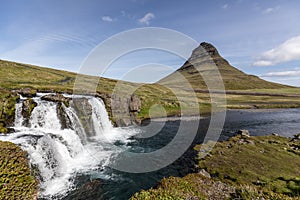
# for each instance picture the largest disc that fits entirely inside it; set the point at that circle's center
(7, 109)
(27, 107)
(27, 92)
(57, 98)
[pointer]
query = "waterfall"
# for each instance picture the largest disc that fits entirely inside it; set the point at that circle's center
(18, 115)
(44, 116)
(58, 153)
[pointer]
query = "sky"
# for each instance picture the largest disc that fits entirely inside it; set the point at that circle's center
(258, 37)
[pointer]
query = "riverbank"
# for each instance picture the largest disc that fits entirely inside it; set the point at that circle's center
(243, 167)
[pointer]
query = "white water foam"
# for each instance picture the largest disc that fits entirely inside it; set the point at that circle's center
(18, 115)
(60, 155)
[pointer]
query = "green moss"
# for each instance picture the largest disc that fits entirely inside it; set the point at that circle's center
(16, 181)
(256, 160)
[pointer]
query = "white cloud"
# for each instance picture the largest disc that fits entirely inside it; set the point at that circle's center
(283, 73)
(270, 10)
(225, 6)
(107, 19)
(147, 18)
(287, 51)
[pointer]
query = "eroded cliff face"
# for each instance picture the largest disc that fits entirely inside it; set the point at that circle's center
(123, 110)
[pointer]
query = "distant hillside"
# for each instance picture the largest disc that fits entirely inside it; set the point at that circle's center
(203, 58)
(17, 75)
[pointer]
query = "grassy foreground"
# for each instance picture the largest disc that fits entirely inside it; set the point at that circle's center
(16, 181)
(242, 168)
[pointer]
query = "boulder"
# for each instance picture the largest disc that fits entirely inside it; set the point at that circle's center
(27, 92)
(204, 173)
(244, 133)
(57, 98)
(296, 137)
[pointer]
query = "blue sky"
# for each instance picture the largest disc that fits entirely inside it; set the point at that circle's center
(258, 37)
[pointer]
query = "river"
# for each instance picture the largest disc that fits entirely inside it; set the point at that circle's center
(75, 165)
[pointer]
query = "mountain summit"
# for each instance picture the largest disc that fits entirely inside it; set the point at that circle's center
(204, 54)
(206, 61)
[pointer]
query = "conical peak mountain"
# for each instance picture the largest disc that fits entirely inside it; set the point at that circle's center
(205, 60)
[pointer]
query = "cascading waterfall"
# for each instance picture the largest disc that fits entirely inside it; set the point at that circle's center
(61, 154)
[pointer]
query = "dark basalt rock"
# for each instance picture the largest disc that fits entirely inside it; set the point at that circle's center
(84, 112)
(57, 98)
(89, 190)
(63, 117)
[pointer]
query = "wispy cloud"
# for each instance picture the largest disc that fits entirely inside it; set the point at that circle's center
(283, 73)
(39, 50)
(147, 18)
(107, 19)
(287, 51)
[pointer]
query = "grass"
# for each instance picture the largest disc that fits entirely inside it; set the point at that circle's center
(252, 101)
(16, 181)
(252, 168)
(269, 162)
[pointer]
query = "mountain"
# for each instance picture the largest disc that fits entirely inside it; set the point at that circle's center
(201, 63)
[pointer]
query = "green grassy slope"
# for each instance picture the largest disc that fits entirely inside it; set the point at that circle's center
(16, 75)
